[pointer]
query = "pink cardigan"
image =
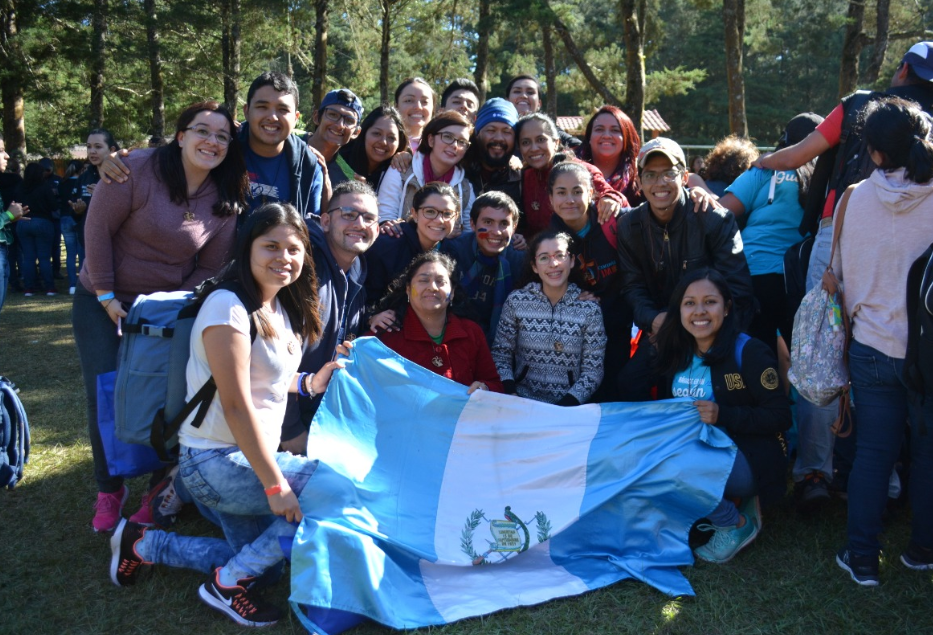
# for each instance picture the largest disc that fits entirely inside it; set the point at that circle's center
(137, 241)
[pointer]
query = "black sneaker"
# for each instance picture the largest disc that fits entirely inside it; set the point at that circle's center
(917, 558)
(812, 493)
(240, 603)
(862, 569)
(164, 503)
(125, 563)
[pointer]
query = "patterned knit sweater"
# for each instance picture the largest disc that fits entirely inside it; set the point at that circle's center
(550, 352)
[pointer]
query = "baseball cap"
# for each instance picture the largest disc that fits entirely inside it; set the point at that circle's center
(920, 58)
(345, 98)
(665, 146)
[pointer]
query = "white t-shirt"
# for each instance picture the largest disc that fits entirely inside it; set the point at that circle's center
(271, 368)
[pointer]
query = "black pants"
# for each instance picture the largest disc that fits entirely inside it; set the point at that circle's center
(774, 312)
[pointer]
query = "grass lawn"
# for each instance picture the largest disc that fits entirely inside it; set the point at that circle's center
(54, 569)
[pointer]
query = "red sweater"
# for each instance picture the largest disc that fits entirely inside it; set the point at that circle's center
(462, 356)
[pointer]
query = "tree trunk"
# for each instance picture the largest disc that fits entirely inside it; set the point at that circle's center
(852, 46)
(230, 44)
(564, 33)
(482, 50)
(384, 51)
(550, 73)
(733, 17)
(882, 27)
(633, 18)
(11, 91)
(319, 77)
(155, 69)
(98, 63)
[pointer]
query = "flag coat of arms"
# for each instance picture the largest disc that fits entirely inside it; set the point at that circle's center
(431, 506)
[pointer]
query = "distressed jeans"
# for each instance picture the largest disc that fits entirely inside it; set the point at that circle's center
(228, 492)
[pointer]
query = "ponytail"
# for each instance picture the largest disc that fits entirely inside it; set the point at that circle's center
(920, 159)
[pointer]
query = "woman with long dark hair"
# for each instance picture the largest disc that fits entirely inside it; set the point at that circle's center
(170, 227)
(229, 464)
(883, 225)
(733, 382)
(36, 234)
(370, 154)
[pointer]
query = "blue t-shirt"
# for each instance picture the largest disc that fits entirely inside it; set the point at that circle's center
(694, 382)
(270, 179)
(771, 228)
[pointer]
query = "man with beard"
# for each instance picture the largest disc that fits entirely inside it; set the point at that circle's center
(487, 162)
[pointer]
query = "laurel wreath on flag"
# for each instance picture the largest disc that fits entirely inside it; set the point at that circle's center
(472, 522)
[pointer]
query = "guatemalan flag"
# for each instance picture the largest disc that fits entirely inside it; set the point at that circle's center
(431, 506)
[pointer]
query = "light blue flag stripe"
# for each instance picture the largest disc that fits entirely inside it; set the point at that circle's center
(368, 541)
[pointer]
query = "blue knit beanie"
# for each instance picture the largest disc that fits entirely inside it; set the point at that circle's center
(496, 110)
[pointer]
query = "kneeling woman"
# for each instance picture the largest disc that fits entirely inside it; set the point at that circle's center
(229, 464)
(550, 344)
(423, 300)
(734, 383)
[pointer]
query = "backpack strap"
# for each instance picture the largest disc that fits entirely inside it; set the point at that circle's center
(163, 430)
(740, 341)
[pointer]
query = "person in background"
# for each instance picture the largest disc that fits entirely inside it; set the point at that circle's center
(726, 162)
(37, 235)
(890, 216)
(170, 227)
(461, 95)
(524, 92)
(414, 99)
(10, 212)
(445, 142)
(550, 344)
(611, 143)
(336, 121)
(100, 144)
(67, 192)
(489, 161)
(733, 382)
(370, 153)
(425, 302)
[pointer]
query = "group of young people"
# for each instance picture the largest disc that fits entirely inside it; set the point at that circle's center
(480, 242)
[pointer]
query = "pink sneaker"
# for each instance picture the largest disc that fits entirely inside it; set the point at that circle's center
(143, 516)
(109, 509)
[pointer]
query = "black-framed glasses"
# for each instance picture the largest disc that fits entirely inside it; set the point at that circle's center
(204, 133)
(667, 176)
(335, 116)
(350, 215)
(450, 138)
(431, 213)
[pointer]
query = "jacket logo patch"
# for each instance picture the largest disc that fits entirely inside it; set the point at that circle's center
(769, 379)
(734, 382)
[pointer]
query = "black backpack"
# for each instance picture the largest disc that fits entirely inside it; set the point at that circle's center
(918, 363)
(841, 166)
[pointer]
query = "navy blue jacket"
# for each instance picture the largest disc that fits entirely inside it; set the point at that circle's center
(307, 177)
(387, 259)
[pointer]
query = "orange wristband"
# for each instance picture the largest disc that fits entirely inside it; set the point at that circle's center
(275, 489)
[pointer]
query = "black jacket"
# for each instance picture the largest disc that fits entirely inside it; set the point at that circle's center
(505, 180)
(387, 259)
(653, 258)
(754, 412)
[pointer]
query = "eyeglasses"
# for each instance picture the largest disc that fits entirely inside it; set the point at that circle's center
(430, 213)
(350, 215)
(449, 138)
(206, 133)
(334, 116)
(545, 259)
(667, 176)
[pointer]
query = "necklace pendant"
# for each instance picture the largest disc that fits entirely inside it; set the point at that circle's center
(535, 205)
(292, 347)
(437, 361)
(189, 216)
(559, 347)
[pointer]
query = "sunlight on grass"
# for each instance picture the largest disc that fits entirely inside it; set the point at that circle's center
(671, 610)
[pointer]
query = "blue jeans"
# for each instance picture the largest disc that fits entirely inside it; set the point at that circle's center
(74, 252)
(741, 484)
(227, 490)
(4, 271)
(814, 423)
(884, 405)
(37, 237)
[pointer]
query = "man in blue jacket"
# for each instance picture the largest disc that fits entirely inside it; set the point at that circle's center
(346, 229)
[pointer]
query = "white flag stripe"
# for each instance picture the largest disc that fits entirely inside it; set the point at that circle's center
(545, 470)
(459, 592)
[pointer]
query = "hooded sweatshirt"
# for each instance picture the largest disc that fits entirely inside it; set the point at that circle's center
(887, 225)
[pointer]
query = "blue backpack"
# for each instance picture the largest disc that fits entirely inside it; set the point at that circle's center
(14, 435)
(151, 383)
